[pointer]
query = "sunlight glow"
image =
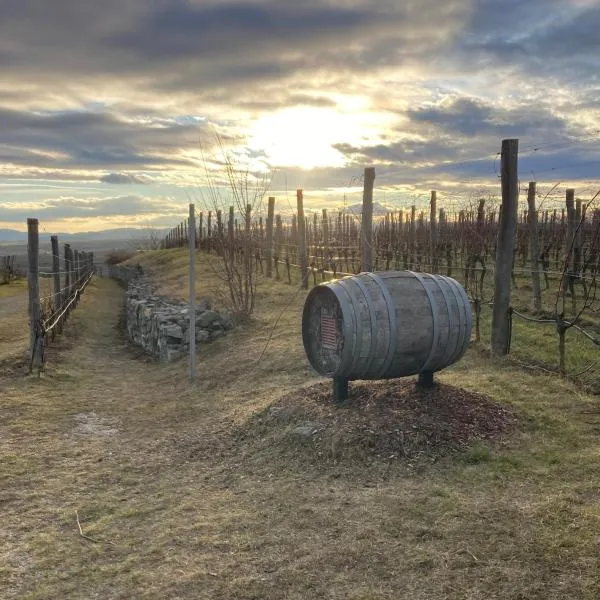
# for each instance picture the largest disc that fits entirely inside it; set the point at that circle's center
(304, 136)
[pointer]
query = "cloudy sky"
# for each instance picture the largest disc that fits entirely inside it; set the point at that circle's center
(112, 113)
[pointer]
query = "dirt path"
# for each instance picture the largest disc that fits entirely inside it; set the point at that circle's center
(176, 500)
(126, 444)
(13, 320)
(13, 304)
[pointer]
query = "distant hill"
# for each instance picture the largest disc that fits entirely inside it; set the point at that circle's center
(125, 233)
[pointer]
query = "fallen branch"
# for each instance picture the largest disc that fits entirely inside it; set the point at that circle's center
(87, 537)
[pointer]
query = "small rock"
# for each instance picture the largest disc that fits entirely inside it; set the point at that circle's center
(307, 430)
(173, 331)
(207, 318)
(215, 334)
(173, 354)
(202, 336)
(279, 412)
(227, 320)
(203, 305)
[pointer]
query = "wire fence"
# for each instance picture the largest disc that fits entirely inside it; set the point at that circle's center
(556, 250)
(54, 293)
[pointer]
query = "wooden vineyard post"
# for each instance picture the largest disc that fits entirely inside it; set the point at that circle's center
(67, 290)
(500, 338)
(433, 233)
(569, 249)
(278, 242)
(56, 299)
(71, 272)
(248, 243)
(302, 241)
(192, 291)
(535, 251)
(325, 247)
(33, 282)
(75, 260)
(366, 226)
(413, 235)
(230, 236)
(269, 241)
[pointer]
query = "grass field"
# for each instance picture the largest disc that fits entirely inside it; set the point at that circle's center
(183, 492)
(14, 328)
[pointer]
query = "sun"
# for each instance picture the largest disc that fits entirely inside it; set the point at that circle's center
(304, 137)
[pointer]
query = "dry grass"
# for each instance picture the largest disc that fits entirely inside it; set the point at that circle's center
(14, 328)
(182, 506)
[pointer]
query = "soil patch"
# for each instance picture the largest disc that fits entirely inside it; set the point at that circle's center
(383, 420)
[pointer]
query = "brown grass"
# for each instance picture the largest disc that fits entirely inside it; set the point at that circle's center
(182, 506)
(118, 256)
(14, 327)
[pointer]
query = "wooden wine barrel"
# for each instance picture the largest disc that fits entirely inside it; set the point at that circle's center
(384, 325)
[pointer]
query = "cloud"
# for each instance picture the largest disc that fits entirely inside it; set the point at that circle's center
(127, 91)
(66, 207)
(553, 39)
(470, 117)
(83, 140)
(184, 45)
(123, 179)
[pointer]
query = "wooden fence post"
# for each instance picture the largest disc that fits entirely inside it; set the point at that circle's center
(433, 232)
(366, 226)
(231, 236)
(269, 242)
(67, 257)
(570, 247)
(75, 256)
(33, 282)
(533, 243)
(248, 243)
(192, 290)
(278, 242)
(500, 338)
(413, 235)
(302, 258)
(56, 300)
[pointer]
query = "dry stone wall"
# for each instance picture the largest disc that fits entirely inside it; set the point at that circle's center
(160, 325)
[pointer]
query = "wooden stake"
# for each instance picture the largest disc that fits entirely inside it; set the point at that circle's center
(505, 249)
(269, 241)
(56, 299)
(367, 220)
(192, 290)
(533, 243)
(303, 259)
(33, 281)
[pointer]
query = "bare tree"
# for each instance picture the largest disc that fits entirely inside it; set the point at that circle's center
(570, 276)
(236, 190)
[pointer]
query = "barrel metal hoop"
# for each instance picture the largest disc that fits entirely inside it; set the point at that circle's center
(350, 327)
(463, 339)
(372, 319)
(451, 320)
(434, 318)
(469, 317)
(392, 320)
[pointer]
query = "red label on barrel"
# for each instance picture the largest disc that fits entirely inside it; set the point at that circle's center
(328, 332)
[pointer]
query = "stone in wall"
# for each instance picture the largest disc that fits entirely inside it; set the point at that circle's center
(160, 325)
